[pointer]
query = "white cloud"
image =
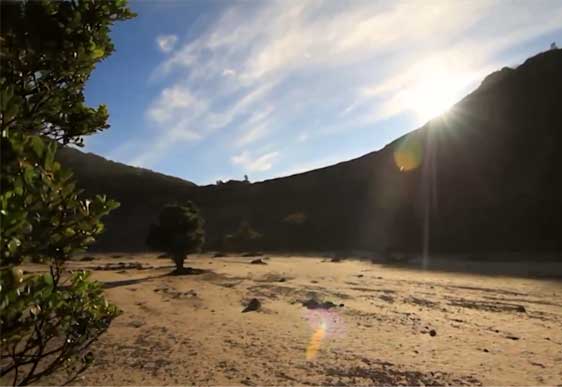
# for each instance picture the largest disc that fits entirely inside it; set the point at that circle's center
(166, 43)
(328, 66)
(251, 163)
(229, 72)
(255, 127)
(252, 135)
(303, 137)
(173, 103)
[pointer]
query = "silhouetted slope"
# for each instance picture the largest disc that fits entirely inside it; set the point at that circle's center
(489, 179)
(140, 191)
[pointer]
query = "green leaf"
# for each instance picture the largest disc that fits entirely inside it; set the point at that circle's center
(13, 245)
(37, 145)
(18, 186)
(98, 53)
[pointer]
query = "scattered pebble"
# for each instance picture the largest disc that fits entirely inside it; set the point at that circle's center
(512, 337)
(252, 306)
(136, 323)
(314, 304)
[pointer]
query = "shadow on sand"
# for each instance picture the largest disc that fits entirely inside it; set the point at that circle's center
(127, 282)
(548, 269)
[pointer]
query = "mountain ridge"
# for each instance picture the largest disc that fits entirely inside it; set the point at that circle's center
(500, 200)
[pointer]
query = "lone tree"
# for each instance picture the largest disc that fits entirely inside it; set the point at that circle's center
(48, 50)
(178, 233)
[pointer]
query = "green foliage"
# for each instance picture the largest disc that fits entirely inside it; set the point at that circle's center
(43, 217)
(48, 321)
(178, 232)
(46, 327)
(245, 238)
(49, 49)
(295, 218)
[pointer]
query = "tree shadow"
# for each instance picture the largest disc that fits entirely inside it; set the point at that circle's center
(188, 271)
(127, 282)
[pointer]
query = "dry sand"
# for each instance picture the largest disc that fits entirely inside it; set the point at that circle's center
(189, 330)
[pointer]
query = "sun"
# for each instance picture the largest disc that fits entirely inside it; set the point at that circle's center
(435, 90)
(435, 96)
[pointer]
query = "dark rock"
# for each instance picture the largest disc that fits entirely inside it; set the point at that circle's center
(252, 306)
(433, 332)
(315, 304)
(136, 323)
(512, 337)
(258, 262)
(387, 298)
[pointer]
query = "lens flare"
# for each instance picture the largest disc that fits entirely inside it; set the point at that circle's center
(315, 341)
(408, 154)
(325, 324)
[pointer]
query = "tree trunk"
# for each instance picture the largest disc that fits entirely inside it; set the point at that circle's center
(178, 260)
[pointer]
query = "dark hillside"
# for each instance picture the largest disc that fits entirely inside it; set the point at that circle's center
(141, 193)
(488, 179)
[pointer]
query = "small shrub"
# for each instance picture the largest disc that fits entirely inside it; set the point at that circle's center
(244, 239)
(295, 218)
(178, 233)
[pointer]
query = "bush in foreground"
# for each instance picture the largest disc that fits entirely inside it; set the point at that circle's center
(48, 321)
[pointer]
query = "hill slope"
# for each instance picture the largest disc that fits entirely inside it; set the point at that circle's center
(488, 178)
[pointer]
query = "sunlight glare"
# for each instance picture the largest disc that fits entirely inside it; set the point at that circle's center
(437, 89)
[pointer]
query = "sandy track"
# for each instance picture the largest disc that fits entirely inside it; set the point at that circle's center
(388, 326)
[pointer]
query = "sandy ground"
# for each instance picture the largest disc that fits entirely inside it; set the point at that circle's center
(386, 326)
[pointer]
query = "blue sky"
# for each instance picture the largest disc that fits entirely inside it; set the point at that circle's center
(209, 90)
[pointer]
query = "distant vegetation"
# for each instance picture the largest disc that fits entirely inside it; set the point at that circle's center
(245, 238)
(48, 321)
(295, 218)
(178, 233)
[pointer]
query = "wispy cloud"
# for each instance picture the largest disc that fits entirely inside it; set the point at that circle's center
(302, 137)
(166, 43)
(255, 127)
(326, 67)
(255, 163)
